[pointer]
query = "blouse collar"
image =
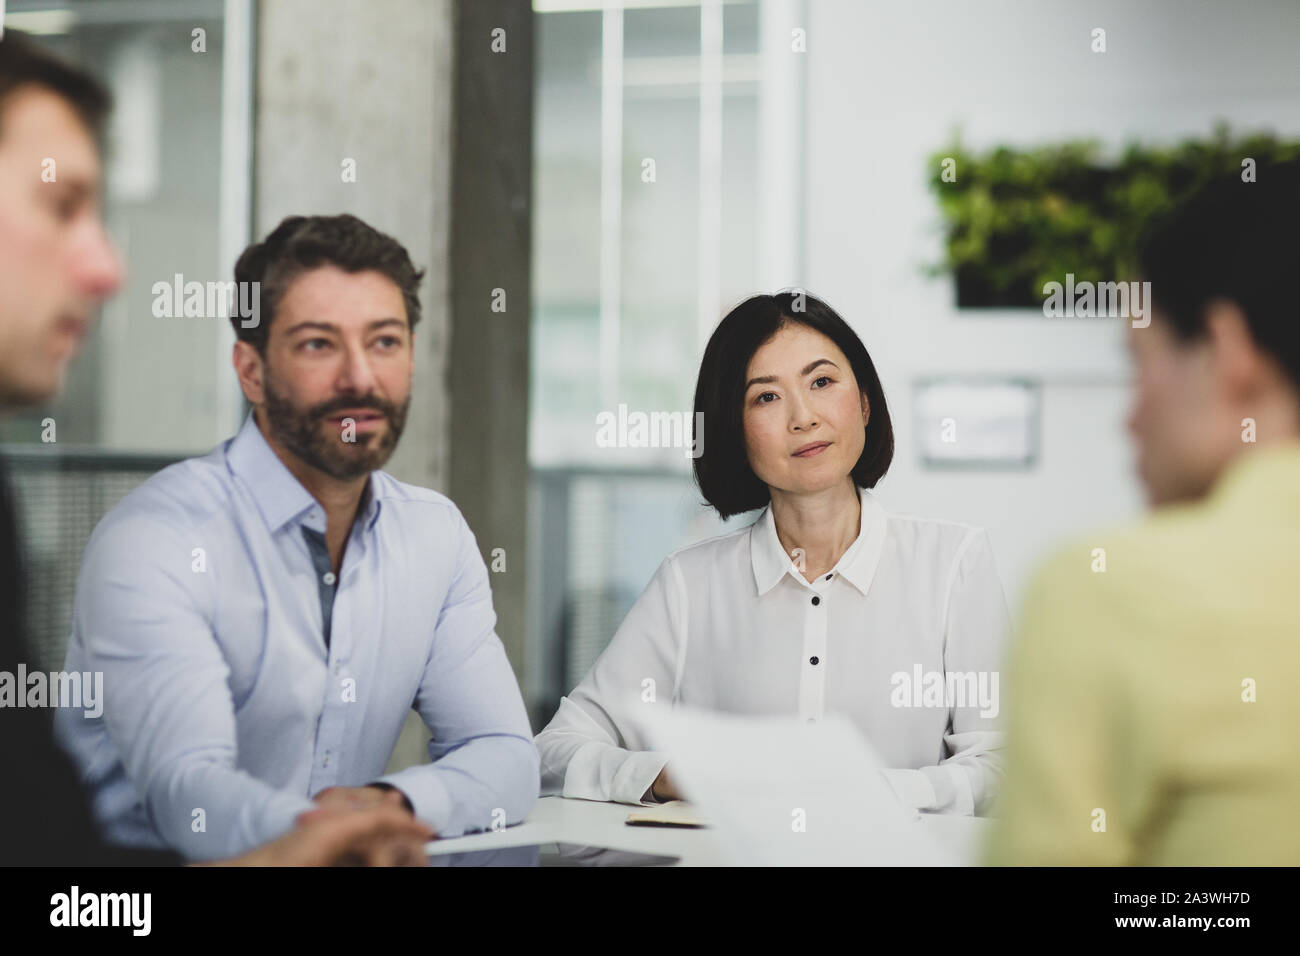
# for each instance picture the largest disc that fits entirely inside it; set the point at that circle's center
(857, 565)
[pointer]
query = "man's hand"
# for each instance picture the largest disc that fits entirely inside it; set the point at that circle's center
(384, 834)
(361, 798)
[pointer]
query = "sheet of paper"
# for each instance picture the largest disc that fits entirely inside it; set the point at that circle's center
(780, 792)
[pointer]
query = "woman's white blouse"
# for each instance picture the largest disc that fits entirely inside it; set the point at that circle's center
(904, 636)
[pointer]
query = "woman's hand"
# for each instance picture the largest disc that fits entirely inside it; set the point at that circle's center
(664, 789)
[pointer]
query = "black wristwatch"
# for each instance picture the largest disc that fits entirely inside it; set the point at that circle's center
(388, 786)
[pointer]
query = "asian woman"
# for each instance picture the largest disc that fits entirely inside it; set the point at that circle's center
(826, 603)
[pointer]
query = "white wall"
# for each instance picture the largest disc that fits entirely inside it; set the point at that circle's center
(887, 83)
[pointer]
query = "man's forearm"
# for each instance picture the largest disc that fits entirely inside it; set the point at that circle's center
(488, 783)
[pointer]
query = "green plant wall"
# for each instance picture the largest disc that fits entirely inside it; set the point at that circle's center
(1016, 219)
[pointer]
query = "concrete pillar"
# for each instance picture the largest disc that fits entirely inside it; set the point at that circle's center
(370, 82)
(490, 271)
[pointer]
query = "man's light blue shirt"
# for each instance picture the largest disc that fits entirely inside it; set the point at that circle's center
(224, 709)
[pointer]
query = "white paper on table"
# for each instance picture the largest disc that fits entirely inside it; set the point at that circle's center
(781, 792)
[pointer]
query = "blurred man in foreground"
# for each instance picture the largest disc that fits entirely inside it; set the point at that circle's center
(1152, 709)
(56, 266)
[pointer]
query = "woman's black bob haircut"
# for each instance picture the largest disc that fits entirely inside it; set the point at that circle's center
(722, 470)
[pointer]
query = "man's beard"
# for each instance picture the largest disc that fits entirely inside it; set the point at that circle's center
(317, 443)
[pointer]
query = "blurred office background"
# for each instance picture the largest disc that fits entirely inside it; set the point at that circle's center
(592, 187)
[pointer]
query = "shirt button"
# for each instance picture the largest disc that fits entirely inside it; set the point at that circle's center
(325, 762)
(812, 720)
(829, 576)
(816, 601)
(329, 578)
(813, 660)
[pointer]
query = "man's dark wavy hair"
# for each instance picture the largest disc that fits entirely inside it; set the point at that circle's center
(302, 243)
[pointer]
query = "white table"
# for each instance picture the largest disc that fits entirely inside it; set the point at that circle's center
(592, 823)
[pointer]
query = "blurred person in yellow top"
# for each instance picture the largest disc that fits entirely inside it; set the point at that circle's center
(1152, 706)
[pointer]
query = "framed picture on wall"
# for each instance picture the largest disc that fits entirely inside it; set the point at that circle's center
(978, 423)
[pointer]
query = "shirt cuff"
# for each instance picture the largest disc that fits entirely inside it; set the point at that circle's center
(429, 795)
(635, 775)
(913, 788)
(933, 789)
(952, 788)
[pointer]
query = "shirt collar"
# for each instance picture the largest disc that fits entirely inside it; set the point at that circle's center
(857, 565)
(280, 497)
(1268, 474)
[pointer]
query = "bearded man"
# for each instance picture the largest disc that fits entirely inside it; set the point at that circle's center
(266, 615)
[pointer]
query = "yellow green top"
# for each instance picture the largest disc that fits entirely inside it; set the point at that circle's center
(1153, 707)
